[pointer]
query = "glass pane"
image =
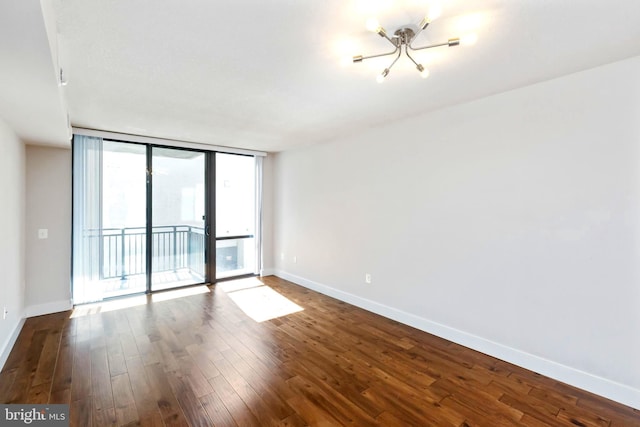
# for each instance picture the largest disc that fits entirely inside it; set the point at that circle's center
(124, 212)
(235, 195)
(235, 257)
(109, 217)
(178, 197)
(235, 215)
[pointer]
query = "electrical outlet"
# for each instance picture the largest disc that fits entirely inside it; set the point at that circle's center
(43, 233)
(367, 278)
(295, 259)
(281, 256)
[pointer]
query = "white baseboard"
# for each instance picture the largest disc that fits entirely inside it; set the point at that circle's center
(267, 272)
(48, 308)
(601, 386)
(10, 342)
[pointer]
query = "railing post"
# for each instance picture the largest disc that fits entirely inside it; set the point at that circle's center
(100, 238)
(175, 249)
(189, 249)
(122, 257)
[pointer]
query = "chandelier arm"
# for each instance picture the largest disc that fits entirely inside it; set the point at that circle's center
(384, 34)
(360, 59)
(423, 26)
(395, 60)
(450, 42)
(406, 51)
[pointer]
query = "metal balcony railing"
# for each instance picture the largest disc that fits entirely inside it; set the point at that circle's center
(175, 247)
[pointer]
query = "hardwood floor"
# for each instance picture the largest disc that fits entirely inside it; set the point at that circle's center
(201, 361)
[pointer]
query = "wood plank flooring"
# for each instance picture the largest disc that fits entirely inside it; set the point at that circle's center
(201, 361)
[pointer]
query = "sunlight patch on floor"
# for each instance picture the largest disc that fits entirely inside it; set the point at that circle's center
(259, 301)
(133, 301)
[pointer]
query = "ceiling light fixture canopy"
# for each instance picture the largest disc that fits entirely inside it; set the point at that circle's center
(403, 38)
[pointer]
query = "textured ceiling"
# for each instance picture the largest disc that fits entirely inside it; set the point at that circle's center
(270, 75)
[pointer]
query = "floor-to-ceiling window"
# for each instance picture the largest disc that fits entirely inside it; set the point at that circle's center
(142, 223)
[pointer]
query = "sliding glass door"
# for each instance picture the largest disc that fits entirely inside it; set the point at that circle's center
(178, 217)
(143, 216)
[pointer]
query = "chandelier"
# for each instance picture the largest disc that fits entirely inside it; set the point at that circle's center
(403, 38)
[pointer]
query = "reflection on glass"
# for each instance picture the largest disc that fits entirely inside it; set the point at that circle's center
(235, 257)
(235, 195)
(178, 240)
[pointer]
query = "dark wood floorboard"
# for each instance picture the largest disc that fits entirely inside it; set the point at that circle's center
(200, 360)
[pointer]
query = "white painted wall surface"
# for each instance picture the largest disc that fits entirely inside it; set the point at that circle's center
(267, 215)
(12, 201)
(510, 224)
(48, 204)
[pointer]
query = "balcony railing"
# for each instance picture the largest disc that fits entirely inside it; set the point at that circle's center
(175, 247)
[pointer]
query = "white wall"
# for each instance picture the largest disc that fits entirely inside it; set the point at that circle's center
(267, 215)
(12, 178)
(510, 224)
(48, 204)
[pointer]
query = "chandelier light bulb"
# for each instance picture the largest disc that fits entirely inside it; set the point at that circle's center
(469, 39)
(373, 25)
(382, 75)
(424, 73)
(434, 12)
